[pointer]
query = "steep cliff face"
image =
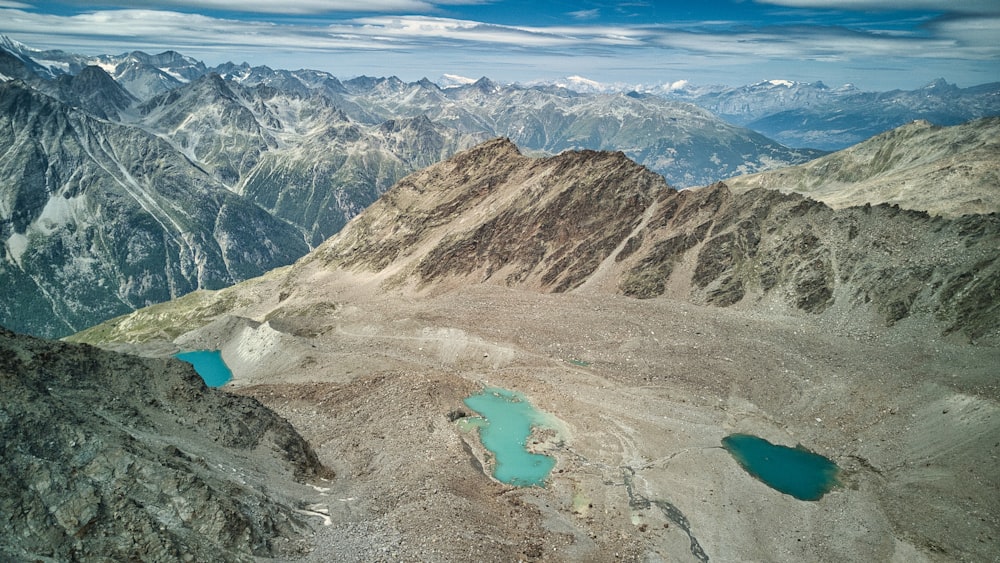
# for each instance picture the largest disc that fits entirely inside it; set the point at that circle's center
(120, 457)
(99, 218)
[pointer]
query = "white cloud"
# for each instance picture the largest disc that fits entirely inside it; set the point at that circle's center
(291, 7)
(585, 14)
(945, 6)
(431, 46)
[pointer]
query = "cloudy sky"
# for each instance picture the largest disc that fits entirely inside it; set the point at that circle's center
(874, 44)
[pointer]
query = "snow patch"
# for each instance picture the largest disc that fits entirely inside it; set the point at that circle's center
(584, 82)
(454, 80)
(16, 245)
(174, 75)
(109, 68)
(54, 65)
(256, 344)
(785, 83)
(57, 212)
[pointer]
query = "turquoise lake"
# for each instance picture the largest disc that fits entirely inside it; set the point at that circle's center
(794, 471)
(209, 365)
(507, 421)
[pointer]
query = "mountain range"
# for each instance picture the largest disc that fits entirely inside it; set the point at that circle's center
(800, 114)
(649, 323)
(111, 203)
(812, 114)
(135, 178)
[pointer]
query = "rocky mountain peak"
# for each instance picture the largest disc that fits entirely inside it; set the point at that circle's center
(494, 214)
(96, 91)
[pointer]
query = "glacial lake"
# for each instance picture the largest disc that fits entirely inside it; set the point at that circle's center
(209, 365)
(507, 421)
(794, 471)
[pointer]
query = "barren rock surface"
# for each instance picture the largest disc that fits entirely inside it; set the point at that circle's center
(868, 335)
(645, 389)
(108, 457)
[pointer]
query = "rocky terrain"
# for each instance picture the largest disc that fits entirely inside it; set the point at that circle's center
(949, 171)
(99, 218)
(109, 204)
(108, 457)
(176, 176)
(650, 323)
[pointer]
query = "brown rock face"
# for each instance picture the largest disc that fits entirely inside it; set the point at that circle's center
(491, 215)
(127, 458)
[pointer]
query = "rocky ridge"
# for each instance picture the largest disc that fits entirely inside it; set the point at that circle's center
(116, 457)
(491, 215)
(100, 218)
(111, 205)
(949, 171)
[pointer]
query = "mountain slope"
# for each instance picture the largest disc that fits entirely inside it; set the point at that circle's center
(100, 218)
(946, 171)
(597, 222)
(492, 216)
(109, 206)
(297, 155)
(114, 456)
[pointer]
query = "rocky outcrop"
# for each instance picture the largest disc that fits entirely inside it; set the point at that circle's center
(109, 456)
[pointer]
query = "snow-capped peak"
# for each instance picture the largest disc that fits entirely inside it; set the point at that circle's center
(581, 81)
(454, 80)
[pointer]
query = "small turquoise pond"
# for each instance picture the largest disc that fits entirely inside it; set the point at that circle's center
(794, 471)
(509, 418)
(209, 365)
